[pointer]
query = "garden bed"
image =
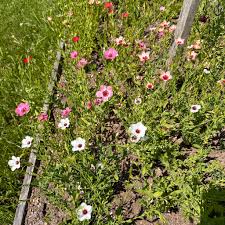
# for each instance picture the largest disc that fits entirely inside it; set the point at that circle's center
(112, 87)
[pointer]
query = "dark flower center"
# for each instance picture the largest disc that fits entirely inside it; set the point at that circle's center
(145, 57)
(24, 110)
(110, 54)
(85, 211)
(17, 162)
(137, 131)
(65, 124)
(79, 146)
(165, 77)
(105, 93)
(194, 107)
(28, 142)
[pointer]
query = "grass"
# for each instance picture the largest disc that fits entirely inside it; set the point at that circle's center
(177, 179)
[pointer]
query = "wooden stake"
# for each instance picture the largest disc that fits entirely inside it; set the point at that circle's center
(184, 25)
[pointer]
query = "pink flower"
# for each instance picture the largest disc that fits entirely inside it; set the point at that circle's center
(162, 8)
(65, 112)
(150, 86)
(160, 34)
(73, 54)
(165, 76)
(192, 56)
(179, 41)
(82, 63)
(164, 24)
(142, 45)
(144, 56)
(98, 101)
(22, 109)
(222, 82)
(110, 54)
(43, 117)
(105, 93)
(172, 28)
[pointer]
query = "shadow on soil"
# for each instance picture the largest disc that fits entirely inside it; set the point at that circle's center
(213, 207)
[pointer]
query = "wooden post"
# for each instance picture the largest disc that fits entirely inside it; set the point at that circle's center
(184, 24)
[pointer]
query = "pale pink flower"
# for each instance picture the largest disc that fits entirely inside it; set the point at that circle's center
(82, 63)
(110, 54)
(162, 8)
(65, 112)
(165, 76)
(197, 45)
(105, 93)
(43, 117)
(172, 28)
(22, 109)
(120, 41)
(164, 24)
(192, 56)
(179, 41)
(73, 54)
(150, 86)
(144, 56)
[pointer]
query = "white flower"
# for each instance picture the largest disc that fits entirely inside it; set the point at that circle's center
(206, 71)
(78, 144)
(14, 163)
(84, 212)
(137, 130)
(26, 142)
(64, 123)
(195, 108)
(137, 101)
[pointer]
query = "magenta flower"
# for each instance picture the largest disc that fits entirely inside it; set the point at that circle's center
(82, 63)
(43, 117)
(22, 109)
(110, 54)
(65, 112)
(105, 93)
(73, 54)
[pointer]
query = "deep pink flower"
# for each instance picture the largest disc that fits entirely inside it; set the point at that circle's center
(98, 101)
(142, 45)
(65, 112)
(43, 117)
(110, 54)
(105, 93)
(73, 54)
(82, 63)
(22, 109)
(160, 34)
